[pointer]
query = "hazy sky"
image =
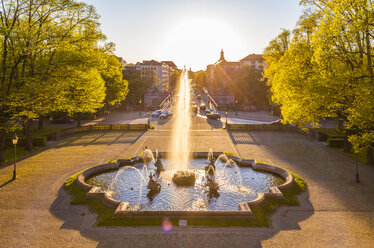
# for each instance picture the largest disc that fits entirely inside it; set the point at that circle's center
(193, 32)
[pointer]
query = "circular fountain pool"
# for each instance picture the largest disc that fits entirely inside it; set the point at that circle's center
(236, 184)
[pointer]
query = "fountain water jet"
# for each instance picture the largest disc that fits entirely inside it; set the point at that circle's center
(180, 143)
(123, 169)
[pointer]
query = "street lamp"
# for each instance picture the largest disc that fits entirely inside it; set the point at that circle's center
(15, 140)
(324, 125)
(140, 112)
(236, 108)
(226, 120)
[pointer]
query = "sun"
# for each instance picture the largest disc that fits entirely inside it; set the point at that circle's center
(197, 40)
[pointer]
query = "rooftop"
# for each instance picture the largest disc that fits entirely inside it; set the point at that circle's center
(253, 56)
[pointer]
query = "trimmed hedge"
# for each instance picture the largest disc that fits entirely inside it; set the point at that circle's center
(335, 143)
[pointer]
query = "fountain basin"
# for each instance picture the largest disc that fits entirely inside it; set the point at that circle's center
(240, 208)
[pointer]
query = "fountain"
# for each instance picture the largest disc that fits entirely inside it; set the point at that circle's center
(183, 181)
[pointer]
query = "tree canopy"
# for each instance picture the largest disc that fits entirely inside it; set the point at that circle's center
(323, 68)
(51, 60)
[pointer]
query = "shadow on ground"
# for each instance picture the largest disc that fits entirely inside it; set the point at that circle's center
(104, 138)
(217, 124)
(329, 174)
(240, 137)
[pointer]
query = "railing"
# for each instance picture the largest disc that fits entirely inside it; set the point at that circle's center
(262, 127)
(166, 102)
(210, 98)
(95, 128)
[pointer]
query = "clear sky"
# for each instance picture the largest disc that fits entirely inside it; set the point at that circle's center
(193, 32)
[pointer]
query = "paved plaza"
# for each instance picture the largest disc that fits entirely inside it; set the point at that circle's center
(334, 212)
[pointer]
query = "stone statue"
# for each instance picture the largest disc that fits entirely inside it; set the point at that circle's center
(159, 165)
(213, 187)
(153, 185)
(211, 168)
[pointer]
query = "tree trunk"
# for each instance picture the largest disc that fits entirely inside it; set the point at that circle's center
(2, 148)
(30, 123)
(347, 145)
(79, 120)
(40, 124)
(24, 127)
(369, 156)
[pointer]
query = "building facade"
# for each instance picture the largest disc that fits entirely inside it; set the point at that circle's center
(122, 61)
(255, 60)
(149, 68)
(220, 73)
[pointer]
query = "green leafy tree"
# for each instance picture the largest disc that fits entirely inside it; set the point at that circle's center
(136, 86)
(326, 70)
(48, 49)
(174, 77)
(248, 88)
(200, 79)
(116, 87)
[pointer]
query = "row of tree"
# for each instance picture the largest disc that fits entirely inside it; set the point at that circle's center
(245, 84)
(324, 68)
(53, 58)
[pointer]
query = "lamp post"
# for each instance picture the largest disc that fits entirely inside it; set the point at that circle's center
(236, 110)
(148, 119)
(140, 112)
(15, 140)
(226, 120)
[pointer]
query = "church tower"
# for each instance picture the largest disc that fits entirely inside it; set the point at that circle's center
(222, 57)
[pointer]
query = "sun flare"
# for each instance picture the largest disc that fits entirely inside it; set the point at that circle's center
(199, 39)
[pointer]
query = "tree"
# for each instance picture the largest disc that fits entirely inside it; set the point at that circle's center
(116, 87)
(174, 77)
(136, 86)
(200, 79)
(247, 87)
(48, 48)
(326, 70)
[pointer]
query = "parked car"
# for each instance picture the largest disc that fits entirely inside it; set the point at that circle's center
(213, 116)
(63, 120)
(165, 115)
(156, 113)
(209, 111)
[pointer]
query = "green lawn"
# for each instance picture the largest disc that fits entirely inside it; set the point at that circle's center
(332, 133)
(21, 150)
(39, 132)
(361, 156)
